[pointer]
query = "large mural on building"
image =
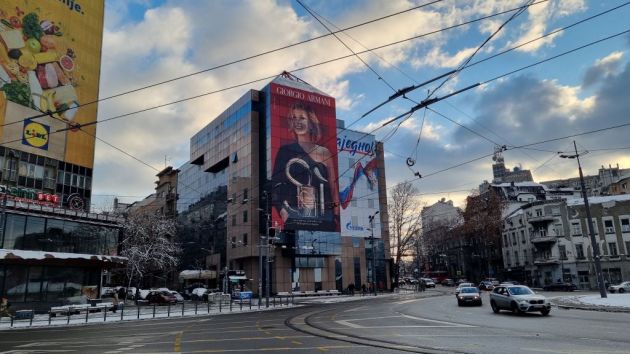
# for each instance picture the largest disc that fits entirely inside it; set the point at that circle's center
(50, 58)
(358, 183)
(304, 183)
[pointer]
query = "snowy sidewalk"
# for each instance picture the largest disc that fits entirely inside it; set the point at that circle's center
(594, 302)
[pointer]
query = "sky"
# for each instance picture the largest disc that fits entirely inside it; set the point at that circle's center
(147, 42)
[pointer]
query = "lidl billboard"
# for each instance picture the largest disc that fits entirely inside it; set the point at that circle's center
(50, 57)
(303, 157)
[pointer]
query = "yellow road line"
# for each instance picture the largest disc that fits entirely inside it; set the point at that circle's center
(178, 343)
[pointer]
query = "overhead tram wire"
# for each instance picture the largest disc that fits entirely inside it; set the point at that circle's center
(402, 92)
(316, 17)
(248, 58)
(496, 78)
(273, 76)
(463, 65)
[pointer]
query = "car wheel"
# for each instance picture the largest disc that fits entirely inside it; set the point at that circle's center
(621, 290)
(515, 309)
(494, 306)
(545, 312)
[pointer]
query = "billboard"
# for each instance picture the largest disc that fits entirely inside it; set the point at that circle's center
(50, 58)
(358, 183)
(302, 138)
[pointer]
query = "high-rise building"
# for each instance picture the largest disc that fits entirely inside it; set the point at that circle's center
(299, 184)
(52, 250)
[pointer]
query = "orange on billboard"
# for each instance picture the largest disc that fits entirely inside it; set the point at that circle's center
(50, 58)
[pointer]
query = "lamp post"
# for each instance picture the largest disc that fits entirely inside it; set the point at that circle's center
(596, 256)
(371, 218)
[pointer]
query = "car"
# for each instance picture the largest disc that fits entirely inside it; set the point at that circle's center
(621, 288)
(448, 282)
(486, 285)
(560, 287)
(177, 295)
(469, 295)
(518, 299)
(509, 282)
(199, 294)
(461, 281)
(428, 282)
(160, 297)
(463, 285)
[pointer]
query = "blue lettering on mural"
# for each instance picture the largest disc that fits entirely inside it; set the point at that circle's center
(351, 227)
(354, 147)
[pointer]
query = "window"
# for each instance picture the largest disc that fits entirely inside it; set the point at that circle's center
(245, 194)
(245, 239)
(516, 260)
(513, 238)
(625, 225)
(612, 247)
(509, 262)
(579, 251)
(244, 216)
(525, 259)
(555, 211)
(563, 252)
(233, 242)
(608, 227)
(539, 212)
(233, 220)
(628, 248)
(576, 228)
(505, 240)
(370, 203)
(522, 236)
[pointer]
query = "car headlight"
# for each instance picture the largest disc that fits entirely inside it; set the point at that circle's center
(460, 297)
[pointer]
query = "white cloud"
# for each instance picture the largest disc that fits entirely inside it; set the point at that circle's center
(438, 59)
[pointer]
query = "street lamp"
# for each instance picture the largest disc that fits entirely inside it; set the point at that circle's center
(598, 266)
(371, 218)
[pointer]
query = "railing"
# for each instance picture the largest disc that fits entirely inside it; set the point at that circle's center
(76, 314)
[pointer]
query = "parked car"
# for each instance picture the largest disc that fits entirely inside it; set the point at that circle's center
(448, 282)
(461, 281)
(560, 287)
(161, 297)
(518, 299)
(177, 295)
(199, 294)
(621, 288)
(469, 295)
(428, 282)
(462, 285)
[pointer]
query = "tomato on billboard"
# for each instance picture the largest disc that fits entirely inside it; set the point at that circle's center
(304, 182)
(50, 56)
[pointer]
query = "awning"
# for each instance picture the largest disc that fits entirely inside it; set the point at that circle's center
(197, 274)
(60, 258)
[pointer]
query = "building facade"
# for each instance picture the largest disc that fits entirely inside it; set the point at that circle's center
(548, 241)
(297, 186)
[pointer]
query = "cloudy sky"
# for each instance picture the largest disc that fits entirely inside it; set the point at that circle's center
(150, 41)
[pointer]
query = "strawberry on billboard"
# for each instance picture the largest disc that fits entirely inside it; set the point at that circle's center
(303, 142)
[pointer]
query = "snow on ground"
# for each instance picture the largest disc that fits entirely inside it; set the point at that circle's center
(613, 300)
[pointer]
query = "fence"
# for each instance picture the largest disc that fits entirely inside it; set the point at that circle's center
(216, 304)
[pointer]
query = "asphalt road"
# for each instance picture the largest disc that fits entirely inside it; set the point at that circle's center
(380, 325)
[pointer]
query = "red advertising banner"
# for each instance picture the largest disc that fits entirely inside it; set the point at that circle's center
(304, 182)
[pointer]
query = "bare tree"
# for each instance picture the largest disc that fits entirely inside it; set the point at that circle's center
(405, 223)
(149, 246)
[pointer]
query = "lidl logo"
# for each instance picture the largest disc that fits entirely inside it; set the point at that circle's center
(35, 134)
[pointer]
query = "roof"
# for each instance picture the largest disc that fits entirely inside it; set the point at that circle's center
(290, 80)
(43, 255)
(599, 200)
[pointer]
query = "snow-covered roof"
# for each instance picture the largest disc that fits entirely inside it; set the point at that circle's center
(517, 184)
(599, 200)
(41, 255)
(197, 274)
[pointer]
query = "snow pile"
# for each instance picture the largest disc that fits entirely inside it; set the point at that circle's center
(613, 300)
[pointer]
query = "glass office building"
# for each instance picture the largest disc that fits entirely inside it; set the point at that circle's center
(276, 151)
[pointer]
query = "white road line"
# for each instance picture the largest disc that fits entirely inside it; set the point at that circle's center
(451, 324)
(349, 324)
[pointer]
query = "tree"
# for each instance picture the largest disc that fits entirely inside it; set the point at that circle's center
(405, 222)
(149, 246)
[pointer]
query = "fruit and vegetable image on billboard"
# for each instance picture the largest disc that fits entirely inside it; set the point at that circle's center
(50, 53)
(304, 185)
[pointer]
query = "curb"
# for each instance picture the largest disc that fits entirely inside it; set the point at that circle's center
(593, 308)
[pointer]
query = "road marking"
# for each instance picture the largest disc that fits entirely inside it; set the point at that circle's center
(356, 309)
(296, 342)
(348, 324)
(406, 301)
(452, 324)
(328, 347)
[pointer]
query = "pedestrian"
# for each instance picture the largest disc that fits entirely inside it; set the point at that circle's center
(423, 285)
(4, 308)
(351, 289)
(122, 294)
(115, 302)
(363, 289)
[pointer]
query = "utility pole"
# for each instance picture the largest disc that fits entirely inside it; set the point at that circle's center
(594, 243)
(371, 218)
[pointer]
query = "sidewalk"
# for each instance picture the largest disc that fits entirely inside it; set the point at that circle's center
(594, 302)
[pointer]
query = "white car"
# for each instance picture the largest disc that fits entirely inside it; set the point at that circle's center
(177, 295)
(428, 282)
(621, 288)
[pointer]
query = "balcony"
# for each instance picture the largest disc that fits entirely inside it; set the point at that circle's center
(547, 261)
(541, 219)
(543, 240)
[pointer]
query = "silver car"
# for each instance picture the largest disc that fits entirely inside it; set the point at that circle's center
(518, 299)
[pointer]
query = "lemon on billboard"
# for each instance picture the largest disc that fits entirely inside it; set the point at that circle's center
(35, 134)
(50, 56)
